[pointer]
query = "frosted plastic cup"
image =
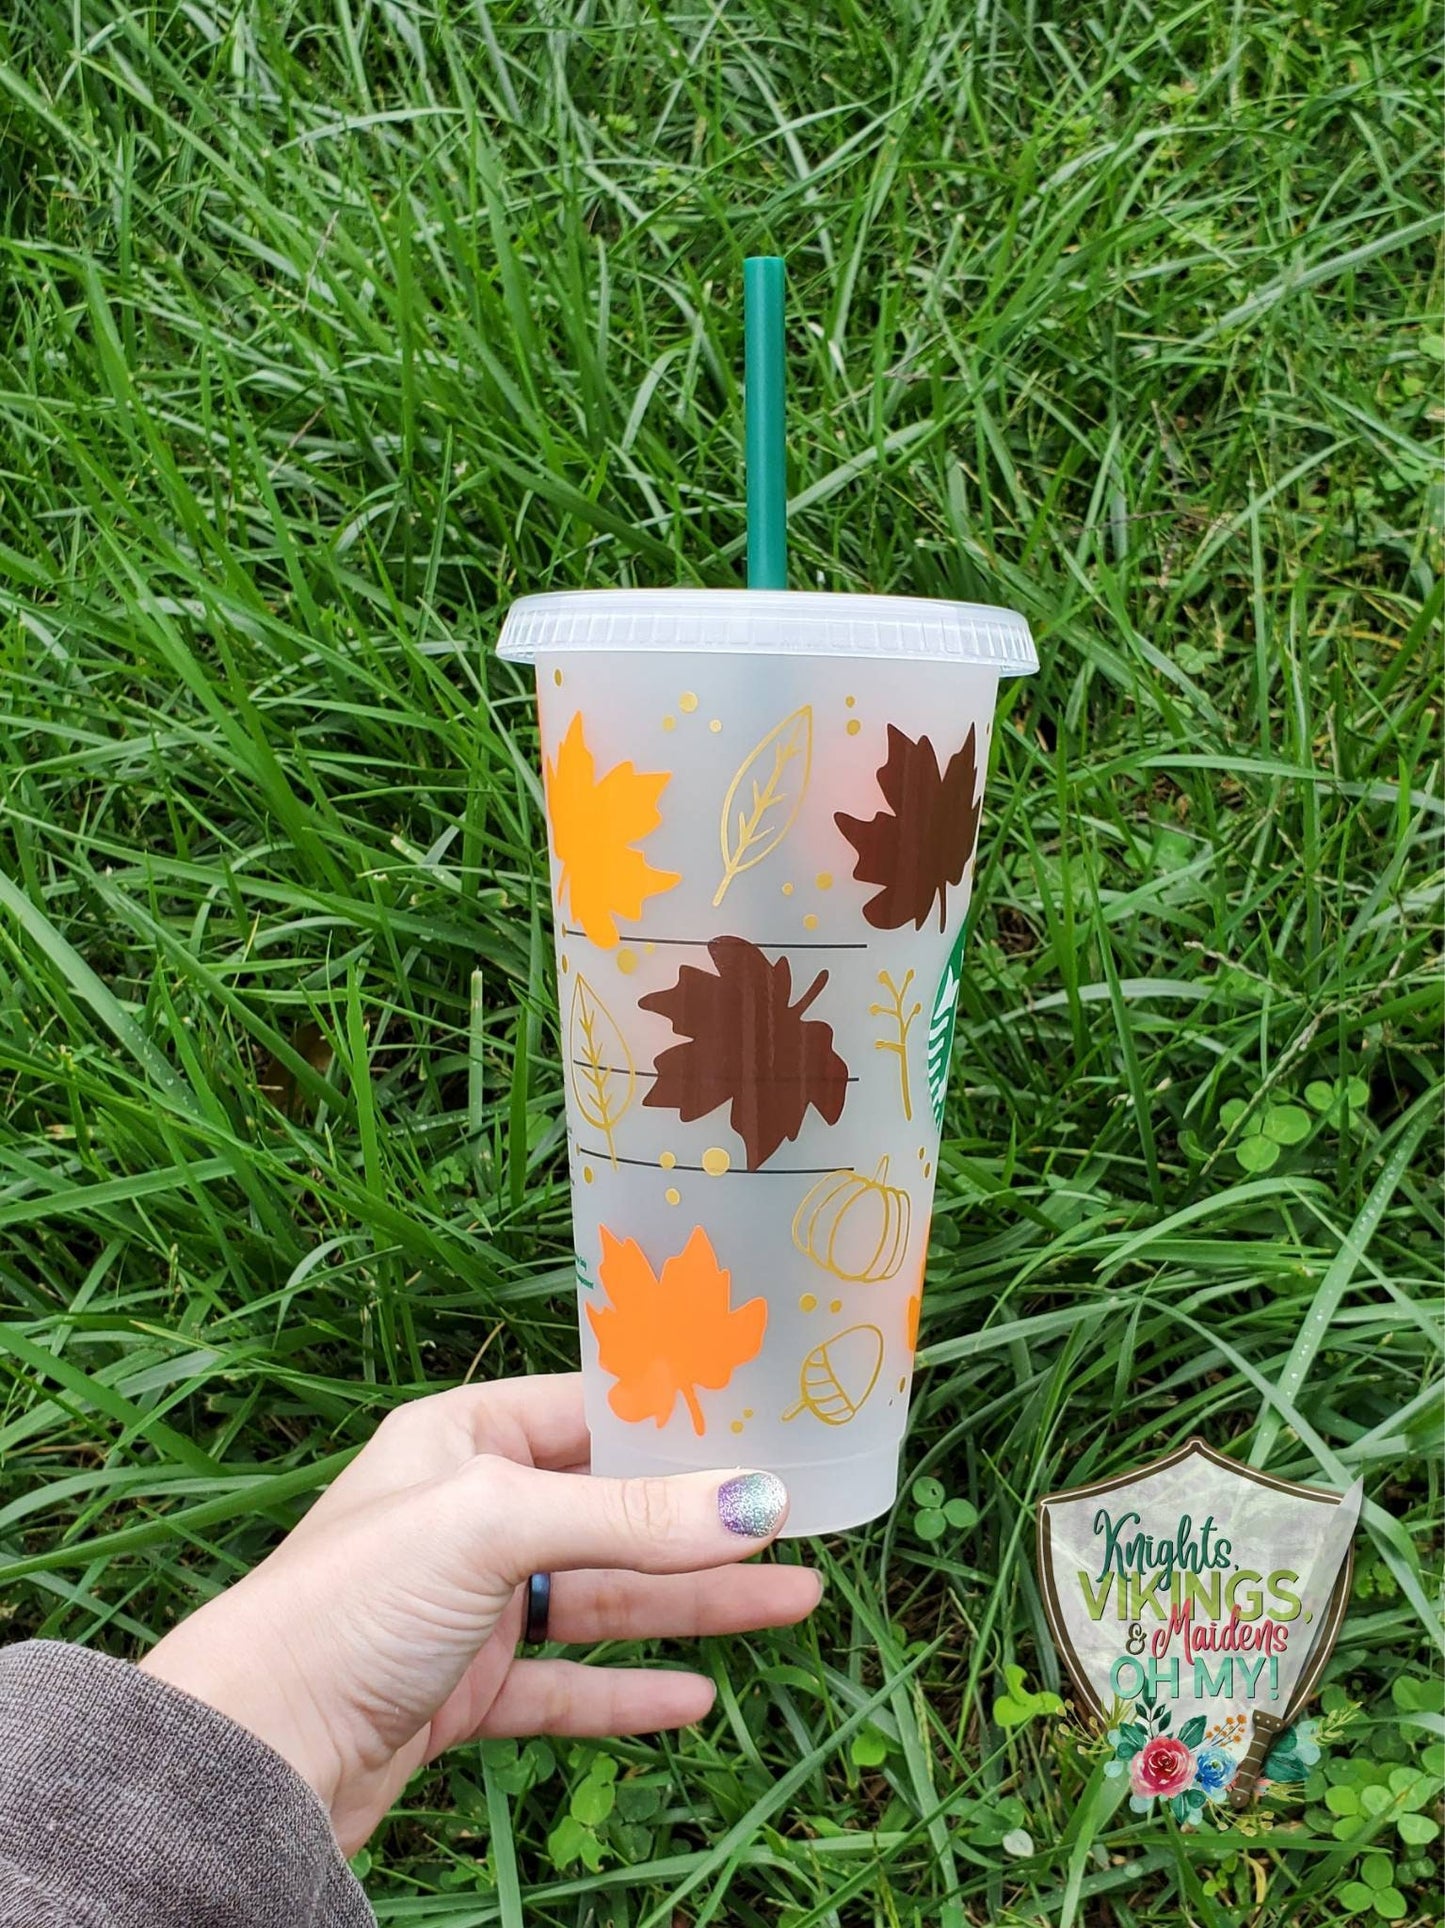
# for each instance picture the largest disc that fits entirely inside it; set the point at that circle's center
(762, 811)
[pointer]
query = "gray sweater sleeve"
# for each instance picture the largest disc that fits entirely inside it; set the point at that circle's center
(124, 1803)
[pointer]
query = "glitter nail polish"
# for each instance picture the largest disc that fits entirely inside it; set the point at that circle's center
(752, 1504)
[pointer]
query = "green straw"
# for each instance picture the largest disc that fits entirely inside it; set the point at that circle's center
(763, 407)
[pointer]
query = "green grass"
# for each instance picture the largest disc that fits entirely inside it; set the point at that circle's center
(330, 326)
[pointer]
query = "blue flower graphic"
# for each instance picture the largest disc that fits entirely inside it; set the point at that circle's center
(1213, 1770)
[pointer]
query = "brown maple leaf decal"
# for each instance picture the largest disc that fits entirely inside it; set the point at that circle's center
(924, 845)
(750, 1047)
(663, 1337)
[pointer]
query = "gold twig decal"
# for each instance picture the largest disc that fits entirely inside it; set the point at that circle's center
(604, 1076)
(902, 1024)
(767, 794)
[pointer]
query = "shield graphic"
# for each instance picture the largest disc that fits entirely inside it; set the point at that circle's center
(1197, 1597)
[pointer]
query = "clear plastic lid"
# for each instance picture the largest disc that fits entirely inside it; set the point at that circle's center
(776, 622)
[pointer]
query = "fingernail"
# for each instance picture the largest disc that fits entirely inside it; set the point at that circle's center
(752, 1504)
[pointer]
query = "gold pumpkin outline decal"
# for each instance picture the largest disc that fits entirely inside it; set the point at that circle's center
(823, 1212)
(831, 1379)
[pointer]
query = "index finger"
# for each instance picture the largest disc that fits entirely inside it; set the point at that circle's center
(537, 1421)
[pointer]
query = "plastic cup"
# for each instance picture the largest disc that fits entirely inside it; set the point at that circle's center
(762, 812)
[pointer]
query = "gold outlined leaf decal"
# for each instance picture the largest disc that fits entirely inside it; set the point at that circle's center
(765, 796)
(604, 1076)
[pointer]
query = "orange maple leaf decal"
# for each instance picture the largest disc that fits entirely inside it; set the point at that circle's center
(595, 821)
(662, 1338)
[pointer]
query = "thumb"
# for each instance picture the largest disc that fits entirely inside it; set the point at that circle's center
(528, 1521)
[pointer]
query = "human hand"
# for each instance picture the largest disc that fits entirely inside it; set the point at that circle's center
(383, 1629)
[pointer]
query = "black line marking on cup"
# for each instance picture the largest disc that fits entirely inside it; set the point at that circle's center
(733, 1171)
(701, 943)
(620, 1070)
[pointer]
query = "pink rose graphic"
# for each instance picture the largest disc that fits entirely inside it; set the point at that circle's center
(1162, 1766)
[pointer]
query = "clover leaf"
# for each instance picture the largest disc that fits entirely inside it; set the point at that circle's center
(1019, 1704)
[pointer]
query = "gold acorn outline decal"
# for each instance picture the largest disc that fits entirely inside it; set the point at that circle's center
(828, 1385)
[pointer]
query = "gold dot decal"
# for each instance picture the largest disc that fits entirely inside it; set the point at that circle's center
(737, 1426)
(669, 722)
(715, 725)
(928, 1168)
(565, 965)
(627, 962)
(586, 1174)
(687, 702)
(715, 1161)
(667, 1160)
(807, 1303)
(649, 948)
(810, 922)
(853, 726)
(835, 1305)
(903, 1385)
(747, 1412)
(673, 1195)
(824, 880)
(787, 890)
(557, 677)
(850, 701)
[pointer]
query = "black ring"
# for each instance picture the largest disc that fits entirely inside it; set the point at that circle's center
(539, 1606)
